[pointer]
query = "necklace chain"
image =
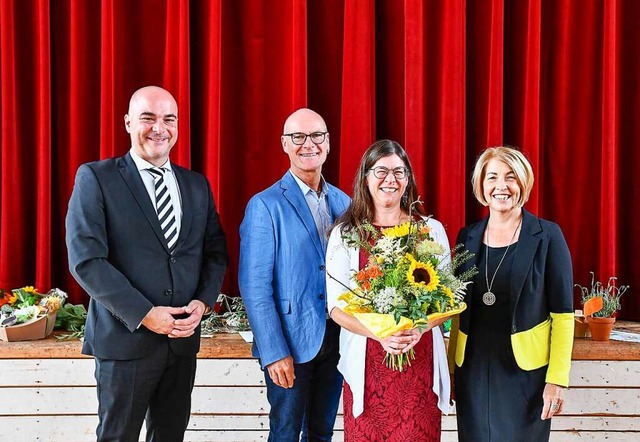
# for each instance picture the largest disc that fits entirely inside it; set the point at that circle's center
(491, 297)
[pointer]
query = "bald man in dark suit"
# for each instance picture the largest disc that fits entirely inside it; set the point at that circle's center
(145, 242)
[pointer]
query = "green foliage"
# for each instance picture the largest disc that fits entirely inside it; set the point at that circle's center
(71, 318)
(233, 319)
(610, 295)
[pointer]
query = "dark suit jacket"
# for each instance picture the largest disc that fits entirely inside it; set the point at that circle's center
(541, 303)
(118, 254)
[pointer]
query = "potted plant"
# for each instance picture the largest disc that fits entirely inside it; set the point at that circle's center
(26, 314)
(600, 304)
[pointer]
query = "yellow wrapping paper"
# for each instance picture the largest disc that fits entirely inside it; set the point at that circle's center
(383, 325)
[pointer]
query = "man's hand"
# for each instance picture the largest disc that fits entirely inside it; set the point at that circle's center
(185, 327)
(281, 372)
(160, 319)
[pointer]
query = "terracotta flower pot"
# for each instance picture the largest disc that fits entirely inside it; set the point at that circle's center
(581, 328)
(600, 327)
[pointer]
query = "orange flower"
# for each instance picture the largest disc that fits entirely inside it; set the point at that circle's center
(362, 276)
(374, 272)
(10, 297)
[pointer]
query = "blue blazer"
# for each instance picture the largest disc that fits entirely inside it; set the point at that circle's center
(119, 256)
(282, 271)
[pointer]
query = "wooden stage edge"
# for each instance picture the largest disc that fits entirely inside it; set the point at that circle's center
(232, 346)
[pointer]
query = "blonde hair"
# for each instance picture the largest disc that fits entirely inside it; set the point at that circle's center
(512, 158)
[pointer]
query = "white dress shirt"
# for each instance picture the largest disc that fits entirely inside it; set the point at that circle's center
(170, 181)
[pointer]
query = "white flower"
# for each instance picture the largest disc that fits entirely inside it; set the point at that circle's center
(233, 320)
(429, 247)
(386, 299)
(388, 248)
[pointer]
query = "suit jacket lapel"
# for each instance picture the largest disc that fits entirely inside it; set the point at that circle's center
(131, 176)
(293, 194)
(336, 207)
(525, 253)
(186, 199)
(473, 244)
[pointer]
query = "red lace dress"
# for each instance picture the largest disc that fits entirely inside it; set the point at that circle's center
(398, 406)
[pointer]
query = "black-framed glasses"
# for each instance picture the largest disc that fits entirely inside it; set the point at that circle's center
(299, 138)
(382, 172)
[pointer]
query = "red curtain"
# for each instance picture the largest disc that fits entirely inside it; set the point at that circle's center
(446, 79)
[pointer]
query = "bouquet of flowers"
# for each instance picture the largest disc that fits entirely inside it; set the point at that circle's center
(408, 281)
(21, 305)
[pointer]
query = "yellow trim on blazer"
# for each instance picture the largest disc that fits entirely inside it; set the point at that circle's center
(562, 328)
(460, 348)
(531, 347)
(549, 342)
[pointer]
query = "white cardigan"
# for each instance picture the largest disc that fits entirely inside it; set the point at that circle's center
(342, 262)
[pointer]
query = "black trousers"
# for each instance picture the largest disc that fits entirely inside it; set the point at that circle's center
(156, 388)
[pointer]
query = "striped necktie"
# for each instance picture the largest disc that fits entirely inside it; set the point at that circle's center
(164, 207)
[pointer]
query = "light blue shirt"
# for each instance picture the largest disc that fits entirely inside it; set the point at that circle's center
(318, 206)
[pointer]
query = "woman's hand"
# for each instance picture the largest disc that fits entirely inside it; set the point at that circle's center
(553, 397)
(401, 342)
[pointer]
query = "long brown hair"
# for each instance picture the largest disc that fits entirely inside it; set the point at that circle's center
(361, 208)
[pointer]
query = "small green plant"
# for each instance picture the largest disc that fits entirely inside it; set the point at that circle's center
(234, 318)
(71, 318)
(610, 295)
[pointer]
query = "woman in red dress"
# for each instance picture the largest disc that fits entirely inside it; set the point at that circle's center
(381, 404)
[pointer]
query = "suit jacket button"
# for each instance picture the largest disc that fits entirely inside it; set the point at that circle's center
(320, 296)
(168, 292)
(322, 267)
(514, 329)
(173, 260)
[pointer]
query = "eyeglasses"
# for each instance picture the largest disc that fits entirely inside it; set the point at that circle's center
(382, 172)
(299, 138)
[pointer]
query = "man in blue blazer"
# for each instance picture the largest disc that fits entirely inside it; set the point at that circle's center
(145, 242)
(282, 280)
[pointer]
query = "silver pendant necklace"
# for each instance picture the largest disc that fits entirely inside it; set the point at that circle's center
(489, 298)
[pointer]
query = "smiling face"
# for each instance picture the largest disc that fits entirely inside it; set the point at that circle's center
(308, 158)
(500, 186)
(152, 123)
(387, 192)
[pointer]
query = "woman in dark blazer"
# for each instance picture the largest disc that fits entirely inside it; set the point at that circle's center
(512, 346)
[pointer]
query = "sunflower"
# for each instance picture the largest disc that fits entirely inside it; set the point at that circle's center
(11, 298)
(397, 231)
(422, 274)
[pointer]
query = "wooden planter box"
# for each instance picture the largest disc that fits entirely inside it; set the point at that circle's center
(38, 328)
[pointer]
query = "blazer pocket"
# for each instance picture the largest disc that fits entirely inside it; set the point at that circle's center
(285, 307)
(531, 347)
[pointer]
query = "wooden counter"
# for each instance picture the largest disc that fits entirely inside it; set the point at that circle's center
(232, 346)
(52, 391)
(219, 346)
